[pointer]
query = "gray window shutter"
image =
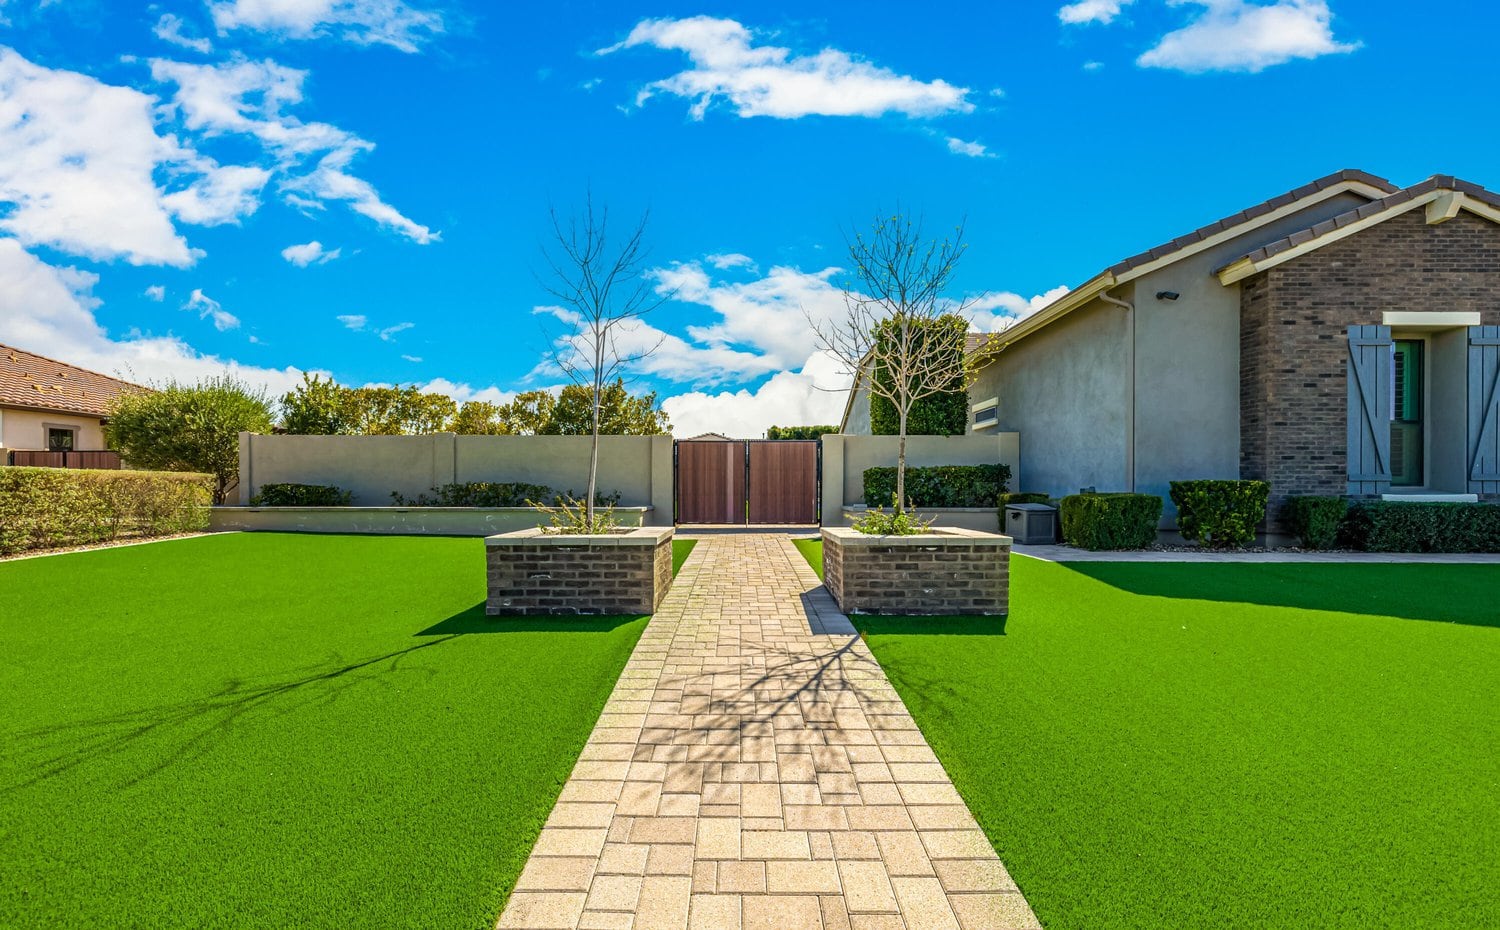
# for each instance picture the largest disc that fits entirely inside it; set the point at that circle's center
(1369, 409)
(1484, 410)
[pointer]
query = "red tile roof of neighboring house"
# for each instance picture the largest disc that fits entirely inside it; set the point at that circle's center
(41, 383)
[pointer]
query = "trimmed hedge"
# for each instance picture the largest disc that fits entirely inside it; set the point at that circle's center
(1316, 521)
(48, 508)
(1219, 513)
(1409, 526)
(939, 485)
(301, 495)
(1110, 521)
(1023, 497)
(496, 494)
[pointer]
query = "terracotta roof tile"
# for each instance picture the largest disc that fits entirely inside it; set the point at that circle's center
(31, 380)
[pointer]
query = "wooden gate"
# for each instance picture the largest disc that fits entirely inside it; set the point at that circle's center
(737, 482)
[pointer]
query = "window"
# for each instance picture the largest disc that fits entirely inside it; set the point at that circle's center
(986, 413)
(1406, 413)
(60, 439)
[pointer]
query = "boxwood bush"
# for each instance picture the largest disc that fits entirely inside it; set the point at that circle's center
(46, 508)
(1110, 521)
(1218, 513)
(496, 494)
(1316, 521)
(301, 495)
(940, 485)
(1023, 497)
(1408, 526)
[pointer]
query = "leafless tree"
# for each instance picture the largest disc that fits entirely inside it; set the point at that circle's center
(900, 336)
(602, 287)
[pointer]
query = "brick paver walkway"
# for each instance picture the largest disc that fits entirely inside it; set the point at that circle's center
(754, 768)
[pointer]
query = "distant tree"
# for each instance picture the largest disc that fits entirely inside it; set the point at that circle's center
(602, 287)
(800, 432)
(189, 427)
(314, 407)
(892, 338)
(479, 418)
(620, 413)
(322, 407)
(529, 412)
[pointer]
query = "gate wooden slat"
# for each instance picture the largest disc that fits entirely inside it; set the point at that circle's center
(711, 482)
(783, 481)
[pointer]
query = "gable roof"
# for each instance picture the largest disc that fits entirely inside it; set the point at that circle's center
(37, 382)
(1442, 194)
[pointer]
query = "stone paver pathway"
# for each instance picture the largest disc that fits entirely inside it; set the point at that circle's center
(754, 768)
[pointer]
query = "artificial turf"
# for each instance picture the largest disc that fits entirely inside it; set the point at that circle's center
(1225, 745)
(267, 730)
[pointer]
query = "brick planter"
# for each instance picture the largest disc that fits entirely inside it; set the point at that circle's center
(533, 573)
(943, 572)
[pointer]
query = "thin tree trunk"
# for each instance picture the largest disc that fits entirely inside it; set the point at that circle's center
(901, 466)
(593, 461)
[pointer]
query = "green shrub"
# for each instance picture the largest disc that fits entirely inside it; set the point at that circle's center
(945, 413)
(1023, 497)
(1394, 526)
(45, 508)
(878, 522)
(940, 485)
(496, 494)
(301, 495)
(1218, 513)
(1110, 521)
(1316, 521)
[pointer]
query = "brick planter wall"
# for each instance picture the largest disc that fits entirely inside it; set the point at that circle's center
(946, 571)
(535, 574)
(1293, 347)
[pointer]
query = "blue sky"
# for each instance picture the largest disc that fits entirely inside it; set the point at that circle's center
(165, 169)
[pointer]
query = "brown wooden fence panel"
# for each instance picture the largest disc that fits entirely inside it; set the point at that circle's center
(711, 482)
(100, 459)
(784, 482)
(41, 459)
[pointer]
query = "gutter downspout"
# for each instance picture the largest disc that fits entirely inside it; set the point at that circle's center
(1129, 309)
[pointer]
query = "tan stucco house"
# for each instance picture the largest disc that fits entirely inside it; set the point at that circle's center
(47, 405)
(1342, 338)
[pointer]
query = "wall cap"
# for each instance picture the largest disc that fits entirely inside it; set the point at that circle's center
(937, 536)
(642, 536)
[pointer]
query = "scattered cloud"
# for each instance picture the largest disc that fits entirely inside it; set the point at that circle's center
(998, 310)
(1093, 65)
(1092, 11)
(311, 160)
(389, 332)
(765, 80)
(590, 84)
(412, 358)
(728, 260)
(156, 292)
(50, 310)
(354, 321)
(309, 253)
(815, 393)
(972, 149)
(362, 22)
(169, 29)
(1236, 35)
(210, 309)
(463, 393)
(219, 194)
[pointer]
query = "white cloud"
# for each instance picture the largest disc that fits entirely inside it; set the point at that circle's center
(210, 309)
(1235, 35)
(390, 331)
(249, 98)
(363, 22)
(1093, 65)
(49, 310)
(764, 80)
(309, 253)
(354, 321)
(463, 393)
(972, 149)
(77, 160)
(220, 194)
(1092, 11)
(156, 292)
(169, 29)
(728, 260)
(998, 310)
(412, 358)
(814, 394)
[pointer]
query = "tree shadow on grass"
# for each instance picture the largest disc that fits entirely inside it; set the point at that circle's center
(1463, 594)
(475, 620)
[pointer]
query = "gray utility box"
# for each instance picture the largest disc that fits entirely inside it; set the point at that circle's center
(1031, 524)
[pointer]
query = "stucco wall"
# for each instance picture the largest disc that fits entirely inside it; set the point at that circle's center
(27, 429)
(858, 421)
(371, 467)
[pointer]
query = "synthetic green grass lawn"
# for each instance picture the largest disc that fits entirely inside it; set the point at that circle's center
(681, 549)
(266, 730)
(1154, 745)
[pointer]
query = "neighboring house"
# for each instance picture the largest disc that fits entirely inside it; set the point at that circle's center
(1340, 339)
(51, 406)
(707, 437)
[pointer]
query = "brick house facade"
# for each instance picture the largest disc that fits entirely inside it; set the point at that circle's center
(1293, 344)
